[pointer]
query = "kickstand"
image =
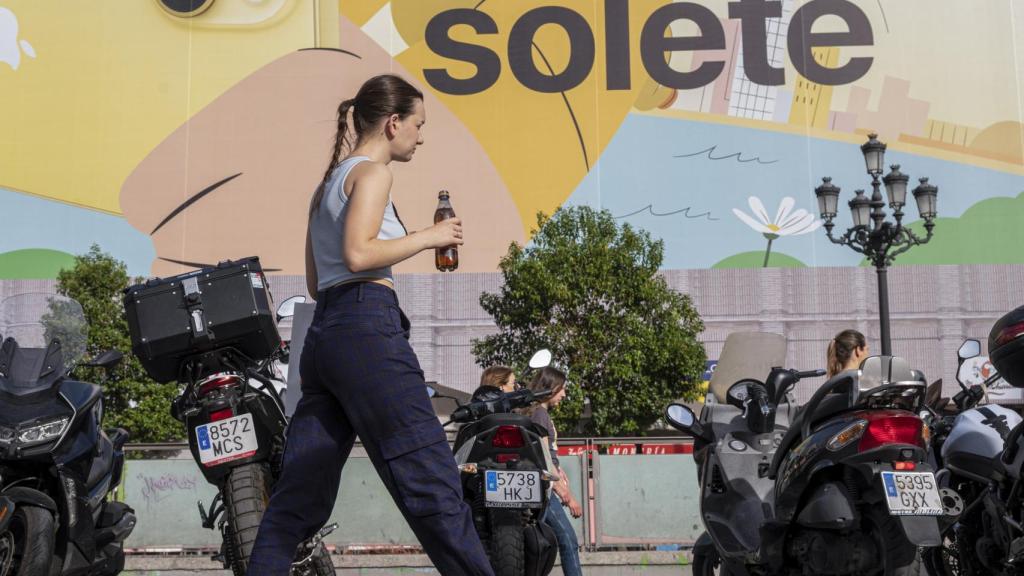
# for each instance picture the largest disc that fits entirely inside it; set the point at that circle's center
(209, 519)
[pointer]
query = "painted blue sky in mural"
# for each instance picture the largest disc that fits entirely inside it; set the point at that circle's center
(681, 179)
(33, 222)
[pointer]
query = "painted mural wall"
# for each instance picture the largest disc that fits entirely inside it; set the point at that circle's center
(177, 133)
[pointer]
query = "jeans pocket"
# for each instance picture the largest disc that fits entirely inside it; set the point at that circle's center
(423, 469)
(392, 321)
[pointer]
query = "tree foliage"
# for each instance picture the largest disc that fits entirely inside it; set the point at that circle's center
(131, 399)
(589, 289)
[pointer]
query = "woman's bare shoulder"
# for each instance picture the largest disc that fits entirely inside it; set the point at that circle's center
(369, 170)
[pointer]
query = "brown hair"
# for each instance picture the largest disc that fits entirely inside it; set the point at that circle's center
(547, 378)
(841, 349)
(495, 376)
(379, 97)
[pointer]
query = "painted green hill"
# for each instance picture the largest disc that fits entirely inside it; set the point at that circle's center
(756, 260)
(33, 263)
(990, 232)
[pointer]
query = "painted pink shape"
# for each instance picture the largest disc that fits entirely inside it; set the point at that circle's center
(274, 129)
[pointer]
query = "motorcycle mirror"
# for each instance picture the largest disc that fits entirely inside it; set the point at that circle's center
(434, 394)
(680, 416)
(541, 359)
(287, 308)
(963, 372)
(107, 360)
(969, 349)
(683, 419)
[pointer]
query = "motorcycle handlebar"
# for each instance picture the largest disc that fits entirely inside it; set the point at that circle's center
(505, 403)
(811, 373)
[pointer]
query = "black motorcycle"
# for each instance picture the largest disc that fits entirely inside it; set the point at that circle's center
(57, 466)
(506, 475)
(213, 330)
(236, 423)
(839, 485)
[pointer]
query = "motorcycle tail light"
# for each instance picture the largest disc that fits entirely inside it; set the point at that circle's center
(508, 437)
(503, 458)
(904, 465)
(217, 381)
(891, 427)
(847, 435)
(221, 414)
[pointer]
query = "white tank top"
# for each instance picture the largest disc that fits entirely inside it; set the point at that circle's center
(327, 231)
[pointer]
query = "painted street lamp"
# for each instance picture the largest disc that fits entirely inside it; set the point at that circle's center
(878, 239)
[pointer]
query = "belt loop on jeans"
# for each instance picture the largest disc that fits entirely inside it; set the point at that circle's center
(359, 294)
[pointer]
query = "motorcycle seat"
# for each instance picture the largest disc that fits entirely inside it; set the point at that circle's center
(103, 462)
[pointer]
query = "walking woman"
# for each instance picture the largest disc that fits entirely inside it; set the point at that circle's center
(360, 376)
(568, 546)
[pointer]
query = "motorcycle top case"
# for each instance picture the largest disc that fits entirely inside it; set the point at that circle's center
(1006, 347)
(171, 319)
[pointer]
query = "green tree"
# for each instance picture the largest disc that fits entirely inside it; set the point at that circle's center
(131, 400)
(589, 290)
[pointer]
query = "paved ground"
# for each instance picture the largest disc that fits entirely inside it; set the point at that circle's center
(594, 564)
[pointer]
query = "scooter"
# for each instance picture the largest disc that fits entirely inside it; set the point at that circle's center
(57, 465)
(837, 486)
(507, 471)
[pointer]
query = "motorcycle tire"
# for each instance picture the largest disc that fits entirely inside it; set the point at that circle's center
(899, 556)
(708, 565)
(26, 548)
(322, 564)
(246, 495)
(946, 560)
(506, 547)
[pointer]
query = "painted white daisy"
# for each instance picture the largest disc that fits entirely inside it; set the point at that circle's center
(787, 222)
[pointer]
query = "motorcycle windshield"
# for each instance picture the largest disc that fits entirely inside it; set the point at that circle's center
(42, 334)
(746, 355)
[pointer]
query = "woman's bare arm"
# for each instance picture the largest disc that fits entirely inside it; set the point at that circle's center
(368, 198)
(311, 277)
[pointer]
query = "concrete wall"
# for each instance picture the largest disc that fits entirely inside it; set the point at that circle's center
(933, 309)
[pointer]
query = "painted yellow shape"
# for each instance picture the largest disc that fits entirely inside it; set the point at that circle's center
(111, 80)
(1003, 138)
(411, 16)
(359, 12)
(812, 102)
(542, 146)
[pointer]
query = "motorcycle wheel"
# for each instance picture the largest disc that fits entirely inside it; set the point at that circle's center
(899, 556)
(26, 548)
(246, 494)
(321, 564)
(709, 565)
(506, 549)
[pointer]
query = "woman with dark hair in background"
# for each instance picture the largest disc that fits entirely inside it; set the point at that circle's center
(846, 351)
(359, 374)
(568, 547)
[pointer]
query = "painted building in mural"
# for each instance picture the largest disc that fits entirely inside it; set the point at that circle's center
(175, 139)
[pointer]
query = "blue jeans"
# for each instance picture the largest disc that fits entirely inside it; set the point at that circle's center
(568, 546)
(360, 377)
